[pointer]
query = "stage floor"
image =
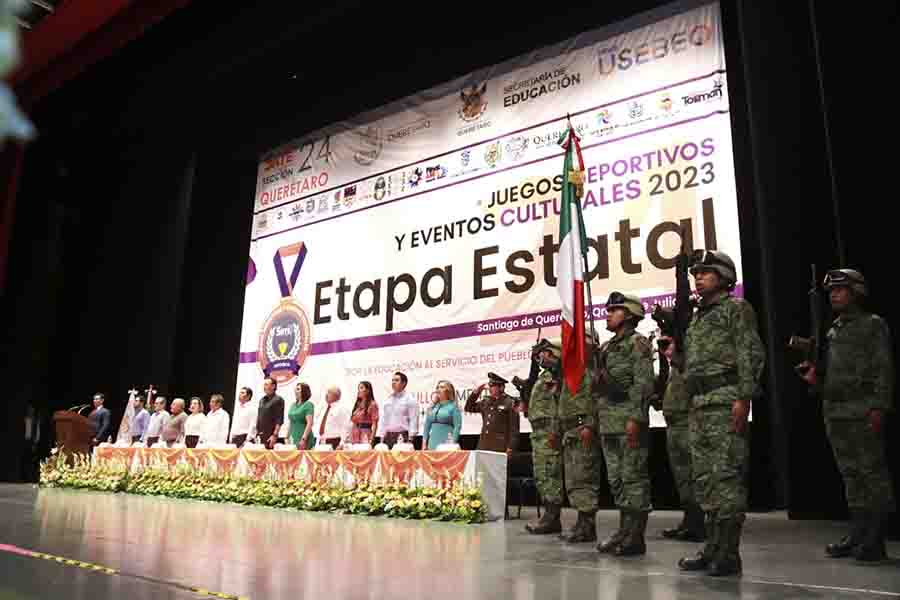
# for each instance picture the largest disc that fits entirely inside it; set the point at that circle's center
(162, 548)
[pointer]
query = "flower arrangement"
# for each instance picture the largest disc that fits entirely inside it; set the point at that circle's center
(460, 503)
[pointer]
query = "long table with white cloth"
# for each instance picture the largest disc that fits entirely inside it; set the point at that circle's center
(416, 468)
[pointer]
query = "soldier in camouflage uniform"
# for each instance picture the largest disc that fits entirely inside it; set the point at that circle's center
(723, 364)
(582, 455)
(676, 404)
(624, 388)
(857, 382)
(547, 460)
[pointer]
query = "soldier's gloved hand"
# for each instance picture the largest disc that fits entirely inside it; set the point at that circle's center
(875, 421)
(586, 435)
(553, 441)
(632, 433)
(740, 410)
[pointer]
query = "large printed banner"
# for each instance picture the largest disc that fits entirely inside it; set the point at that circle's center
(423, 236)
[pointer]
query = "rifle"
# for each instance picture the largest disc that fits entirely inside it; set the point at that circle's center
(811, 348)
(674, 322)
(525, 386)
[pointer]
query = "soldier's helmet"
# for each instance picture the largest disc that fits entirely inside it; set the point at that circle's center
(848, 277)
(714, 260)
(554, 346)
(629, 302)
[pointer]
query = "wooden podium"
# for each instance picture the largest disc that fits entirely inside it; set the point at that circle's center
(73, 432)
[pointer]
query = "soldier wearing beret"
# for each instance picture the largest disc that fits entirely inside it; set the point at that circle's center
(500, 420)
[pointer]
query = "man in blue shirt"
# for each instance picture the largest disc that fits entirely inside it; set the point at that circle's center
(99, 419)
(140, 420)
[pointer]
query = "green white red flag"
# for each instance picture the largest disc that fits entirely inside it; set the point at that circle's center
(570, 262)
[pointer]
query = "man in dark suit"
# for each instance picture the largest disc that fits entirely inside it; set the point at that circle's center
(270, 415)
(99, 419)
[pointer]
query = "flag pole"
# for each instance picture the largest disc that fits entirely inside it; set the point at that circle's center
(590, 304)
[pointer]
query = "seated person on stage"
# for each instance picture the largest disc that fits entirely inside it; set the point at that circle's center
(399, 412)
(335, 422)
(140, 421)
(270, 415)
(195, 424)
(215, 433)
(500, 420)
(158, 420)
(301, 418)
(99, 420)
(173, 432)
(443, 421)
(246, 411)
(364, 416)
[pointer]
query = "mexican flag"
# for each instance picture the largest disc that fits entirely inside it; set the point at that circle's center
(570, 262)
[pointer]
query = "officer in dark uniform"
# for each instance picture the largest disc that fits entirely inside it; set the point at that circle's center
(500, 420)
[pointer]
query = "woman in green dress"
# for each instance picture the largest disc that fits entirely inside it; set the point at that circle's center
(301, 417)
(443, 418)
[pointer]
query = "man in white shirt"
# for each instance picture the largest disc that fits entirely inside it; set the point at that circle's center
(334, 424)
(399, 412)
(158, 420)
(243, 426)
(216, 431)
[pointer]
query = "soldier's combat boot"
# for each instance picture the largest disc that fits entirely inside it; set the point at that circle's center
(633, 544)
(849, 542)
(548, 523)
(702, 560)
(585, 529)
(617, 536)
(727, 560)
(871, 547)
(679, 530)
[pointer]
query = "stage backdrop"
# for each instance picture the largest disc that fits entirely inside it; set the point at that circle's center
(423, 236)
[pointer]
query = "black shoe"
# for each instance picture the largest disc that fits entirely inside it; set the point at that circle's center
(842, 548)
(871, 554)
(849, 542)
(698, 562)
(702, 560)
(548, 523)
(634, 544)
(679, 530)
(727, 561)
(585, 529)
(617, 536)
(871, 548)
(725, 566)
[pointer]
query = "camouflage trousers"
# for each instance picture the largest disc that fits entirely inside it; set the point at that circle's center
(627, 470)
(678, 444)
(719, 461)
(547, 467)
(861, 459)
(583, 469)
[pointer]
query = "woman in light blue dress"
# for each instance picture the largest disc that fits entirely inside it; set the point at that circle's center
(444, 417)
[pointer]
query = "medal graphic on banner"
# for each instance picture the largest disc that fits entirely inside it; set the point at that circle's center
(285, 339)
